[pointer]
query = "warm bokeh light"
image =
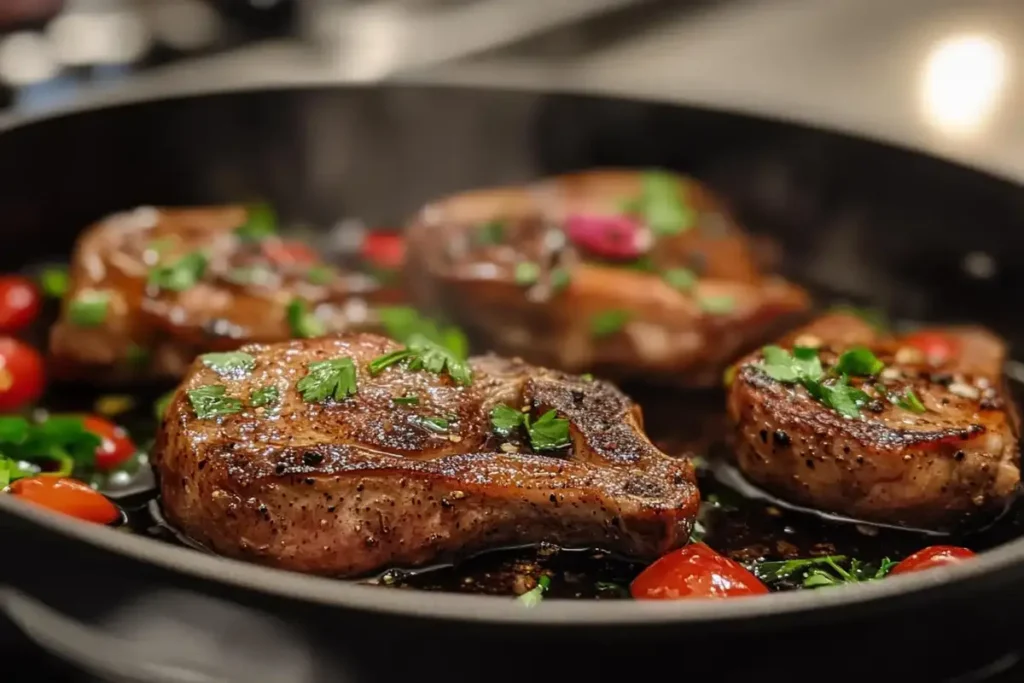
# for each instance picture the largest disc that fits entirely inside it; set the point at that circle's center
(963, 81)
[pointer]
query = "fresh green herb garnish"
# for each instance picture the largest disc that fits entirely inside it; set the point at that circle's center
(859, 362)
(265, 397)
(403, 322)
(422, 353)
(682, 279)
(438, 425)
(822, 571)
(405, 400)
(774, 571)
(230, 363)
(559, 279)
(717, 305)
(910, 401)
(180, 275)
(320, 275)
(506, 419)
(607, 323)
(840, 396)
(211, 400)
(644, 264)
(89, 308)
(535, 595)
(54, 281)
(661, 205)
(802, 365)
(303, 323)
(587, 377)
(259, 224)
(249, 275)
(609, 587)
(526, 273)
(62, 440)
(491, 232)
(334, 378)
(548, 433)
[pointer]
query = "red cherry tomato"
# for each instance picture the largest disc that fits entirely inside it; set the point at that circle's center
(289, 252)
(21, 374)
(384, 249)
(19, 303)
(69, 496)
(695, 571)
(932, 556)
(117, 446)
(937, 347)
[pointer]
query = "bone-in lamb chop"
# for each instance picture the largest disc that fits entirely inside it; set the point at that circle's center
(916, 430)
(349, 454)
(623, 273)
(151, 288)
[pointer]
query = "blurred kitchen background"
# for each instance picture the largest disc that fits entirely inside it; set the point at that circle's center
(938, 75)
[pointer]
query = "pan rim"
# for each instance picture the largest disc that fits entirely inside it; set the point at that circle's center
(477, 608)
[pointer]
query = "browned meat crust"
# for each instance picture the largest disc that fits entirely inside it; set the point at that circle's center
(350, 487)
(152, 333)
(670, 333)
(957, 461)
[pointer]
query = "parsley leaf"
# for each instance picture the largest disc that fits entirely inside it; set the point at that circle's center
(229, 364)
(422, 353)
(491, 232)
(54, 281)
(682, 279)
(607, 323)
(661, 206)
(58, 439)
(860, 362)
(803, 365)
(405, 400)
(303, 323)
(717, 305)
(778, 570)
(910, 401)
(260, 223)
(548, 433)
(822, 571)
(535, 595)
(334, 378)
(265, 397)
(89, 308)
(211, 400)
(438, 425)
(559, 279)
(841, 397)
(180, 275)
(506, 419)
(402, 322)
(526, 273)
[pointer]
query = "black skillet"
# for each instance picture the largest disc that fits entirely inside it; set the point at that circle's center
(923, 238)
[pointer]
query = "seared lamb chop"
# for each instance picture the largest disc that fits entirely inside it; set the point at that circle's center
(915, 431)
(151, 288)
(623, 273)
(333, 457)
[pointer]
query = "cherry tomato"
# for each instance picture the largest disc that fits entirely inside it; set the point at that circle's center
(695, 571)
(933, 556)
(937, 347)
(117, 446)
(289, 252)
(69, 496)
(384, 249)
(21, 374)
(19, 303)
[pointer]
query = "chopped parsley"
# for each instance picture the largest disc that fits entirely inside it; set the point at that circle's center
(60, 440)
(682, 279)
(804, 367)
(822, 571)
(547, 433)
(859, 362)
(402, 323)
(607, 323)
(180, 275)
(559, 279)
(303, 323)
(259, 224)
(839, 396)
(491, 232)
(910, 401)
(535, 595)
(211, 400)
(527, 273)
(328, 379)
(89, 308)
(422, 353)
(717, 305)
(438, 425)
(661, 205)
(230, 363)
(320, 275)
(405, 400)
(265, 397)
(54, 281)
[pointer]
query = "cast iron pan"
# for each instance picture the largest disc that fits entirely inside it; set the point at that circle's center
(868, 222)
